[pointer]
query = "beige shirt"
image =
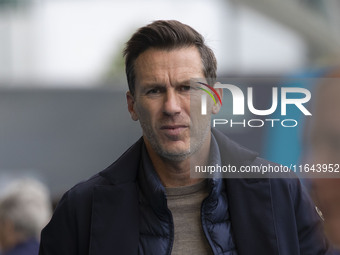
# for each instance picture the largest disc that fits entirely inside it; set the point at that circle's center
(185, 206)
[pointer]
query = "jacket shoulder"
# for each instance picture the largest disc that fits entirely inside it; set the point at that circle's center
(83, 190)
(122, 170)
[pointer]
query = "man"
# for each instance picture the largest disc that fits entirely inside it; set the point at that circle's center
(25, 209)
(146, 202)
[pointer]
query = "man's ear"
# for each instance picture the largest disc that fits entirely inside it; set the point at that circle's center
(131, 105)
(217, 107)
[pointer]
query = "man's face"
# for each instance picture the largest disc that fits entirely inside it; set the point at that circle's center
(163, 96)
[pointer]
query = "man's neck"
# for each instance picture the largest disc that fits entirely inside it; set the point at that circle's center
(177, 173)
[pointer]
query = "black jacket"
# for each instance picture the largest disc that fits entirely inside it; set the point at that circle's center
(101, 216)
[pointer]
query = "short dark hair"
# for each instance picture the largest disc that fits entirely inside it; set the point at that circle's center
(167, 35)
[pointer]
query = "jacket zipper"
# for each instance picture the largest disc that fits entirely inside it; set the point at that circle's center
(172, 232)
(205, 230)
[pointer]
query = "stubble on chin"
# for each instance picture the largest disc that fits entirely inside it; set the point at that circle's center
(195, 142)
(170, 154)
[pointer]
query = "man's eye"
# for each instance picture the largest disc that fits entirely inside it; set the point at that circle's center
(185, 88)
(153, 91)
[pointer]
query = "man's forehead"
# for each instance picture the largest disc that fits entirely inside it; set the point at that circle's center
(155, 65)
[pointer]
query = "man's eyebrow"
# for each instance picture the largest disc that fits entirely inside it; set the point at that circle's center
(185, 82)
(149, 86)
(188, 82)
(153, 85)
(160, 84)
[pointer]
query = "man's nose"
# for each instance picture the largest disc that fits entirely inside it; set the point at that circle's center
(172, 104)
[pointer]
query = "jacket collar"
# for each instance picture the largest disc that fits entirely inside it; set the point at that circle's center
(150, 185)
(232, 153)
(125, 168)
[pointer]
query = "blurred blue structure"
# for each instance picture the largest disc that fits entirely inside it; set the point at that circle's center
(285, 145)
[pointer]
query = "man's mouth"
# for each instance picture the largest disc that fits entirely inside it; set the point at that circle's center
(173, 130)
